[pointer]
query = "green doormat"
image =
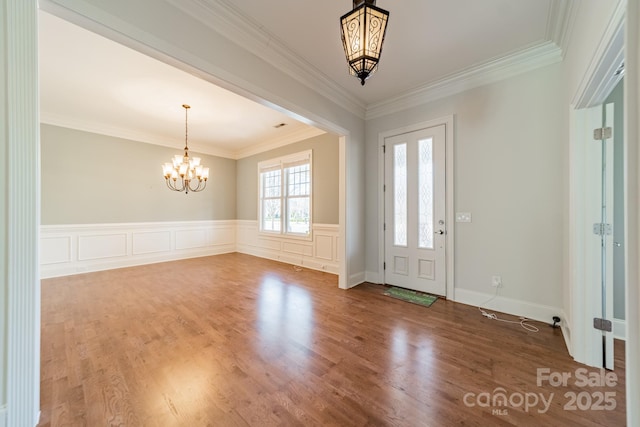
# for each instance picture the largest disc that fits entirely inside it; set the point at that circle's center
(419, 298)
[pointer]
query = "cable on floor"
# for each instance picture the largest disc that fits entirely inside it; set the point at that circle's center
(524, 322)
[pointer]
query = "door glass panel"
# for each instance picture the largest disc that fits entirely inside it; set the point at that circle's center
(425, 193)
(400, 194)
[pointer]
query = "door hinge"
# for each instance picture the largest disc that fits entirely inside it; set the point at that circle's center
(384, 188)
(384, 227)
(384, 265)
(601, 134)
(602, 229)
(384, 149)
(602, 324)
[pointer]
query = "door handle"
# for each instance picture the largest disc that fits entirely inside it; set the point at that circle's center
(441, 232)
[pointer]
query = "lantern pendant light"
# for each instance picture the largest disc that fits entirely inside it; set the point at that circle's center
(363, 30)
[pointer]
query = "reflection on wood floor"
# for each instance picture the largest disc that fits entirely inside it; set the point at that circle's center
(234, 340)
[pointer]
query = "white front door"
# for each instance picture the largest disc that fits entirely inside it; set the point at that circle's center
(415, 229)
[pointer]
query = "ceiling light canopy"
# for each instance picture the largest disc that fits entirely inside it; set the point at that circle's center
(363, 30)
(184, 173)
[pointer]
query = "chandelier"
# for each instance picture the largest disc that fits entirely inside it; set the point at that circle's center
(363, 30)
(184, 173)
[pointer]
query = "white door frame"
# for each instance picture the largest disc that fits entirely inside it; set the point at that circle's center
(448, 122)
(600, 81)
(584, 246)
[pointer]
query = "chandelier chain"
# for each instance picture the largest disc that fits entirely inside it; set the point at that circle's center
(186, 127)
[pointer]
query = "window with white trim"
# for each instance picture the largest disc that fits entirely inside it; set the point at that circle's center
(285, 195)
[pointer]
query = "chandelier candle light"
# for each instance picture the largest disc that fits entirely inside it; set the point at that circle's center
(363, 30)
(185, 168)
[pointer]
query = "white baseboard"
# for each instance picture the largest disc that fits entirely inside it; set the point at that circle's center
(565, 325)
(57, 271)
(372, 277)
(620, 329)
(356, 279)
(539, 312)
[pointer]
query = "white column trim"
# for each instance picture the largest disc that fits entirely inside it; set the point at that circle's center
(632, 207)
(23, 212)
(342, 213)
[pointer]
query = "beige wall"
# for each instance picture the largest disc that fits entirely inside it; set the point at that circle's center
(79, 183)
(509, 162)
(89, 178)
(325, 178)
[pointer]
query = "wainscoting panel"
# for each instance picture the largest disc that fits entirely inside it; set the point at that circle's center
(319, 253)
(270, 243)
(223, 234)
(72, 249)
(324, 247)
(55, 250)
(297, 249)
(102, 246)
(150, 242)
(190, 239)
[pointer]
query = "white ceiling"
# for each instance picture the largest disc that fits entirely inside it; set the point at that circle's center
(91, 83)
(426, 40)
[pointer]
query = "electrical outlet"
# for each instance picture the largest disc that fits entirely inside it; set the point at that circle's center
(463, 217)
(496, 281)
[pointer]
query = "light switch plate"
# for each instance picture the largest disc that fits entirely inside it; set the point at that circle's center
(463, 216)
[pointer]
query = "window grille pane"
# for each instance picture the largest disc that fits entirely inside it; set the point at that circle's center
(400, 194)
(299, 178)
(271, 185)
(425, 193)
(271, 215)
(299, 215)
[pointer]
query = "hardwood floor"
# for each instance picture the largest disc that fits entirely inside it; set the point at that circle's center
(234, 340)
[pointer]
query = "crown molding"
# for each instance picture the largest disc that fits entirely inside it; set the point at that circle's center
(562, 15)
(298, 135)
(225, 19)
(539, 55)
(222, 17)
(102, 129)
